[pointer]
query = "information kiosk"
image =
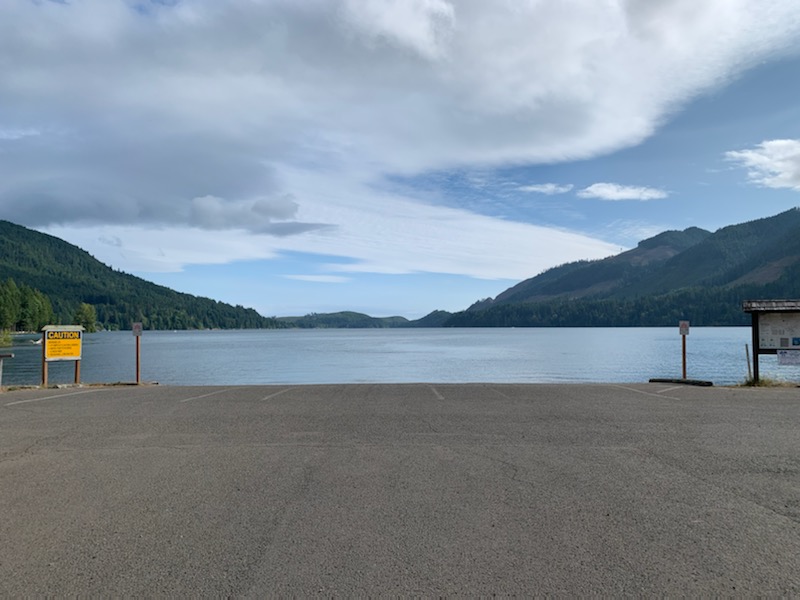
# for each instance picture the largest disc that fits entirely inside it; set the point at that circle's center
(776, 330)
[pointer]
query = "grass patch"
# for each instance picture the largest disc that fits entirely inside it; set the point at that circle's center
(768, 382)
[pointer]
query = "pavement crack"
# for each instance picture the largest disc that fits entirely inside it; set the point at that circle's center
(515, 469)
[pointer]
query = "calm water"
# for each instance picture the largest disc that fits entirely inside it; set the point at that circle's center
(402, 355)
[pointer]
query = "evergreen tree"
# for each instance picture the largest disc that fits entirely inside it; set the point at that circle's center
(86, 315)
(10, 305)
(36, 311)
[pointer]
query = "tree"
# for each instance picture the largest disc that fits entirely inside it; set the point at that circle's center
(10, 305)
(36, 310)
(86, 315)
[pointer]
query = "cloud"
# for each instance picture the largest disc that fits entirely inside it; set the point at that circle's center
(615, 191)
(198, 115)
(422, 26)
(320, 278)
(389, 235)
(631, 232)
(164, 249)
(263, 215)
(110, 241)
(16, 134)
(773, 163)
(546, 188)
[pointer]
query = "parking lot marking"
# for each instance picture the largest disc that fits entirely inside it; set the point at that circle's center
(55, 396)
(204, 395)
(659, 395)
(277, 394)
(436, 393)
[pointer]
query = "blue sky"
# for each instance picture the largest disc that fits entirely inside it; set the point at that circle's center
(391, 157)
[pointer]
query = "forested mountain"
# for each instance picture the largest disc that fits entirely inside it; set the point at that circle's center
(354, 320)
(69, 276)
(342, 320)
(602, 277)
(690, 274)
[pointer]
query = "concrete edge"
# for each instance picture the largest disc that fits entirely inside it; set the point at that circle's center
(698, 382)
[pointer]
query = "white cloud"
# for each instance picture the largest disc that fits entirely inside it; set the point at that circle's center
(773, 163)
(390, 235)
(206, 115)
(16, 134)
(166, 249)
(631, 232)
(615, 191)
(423, 26)
(546, 188)
(319, 278)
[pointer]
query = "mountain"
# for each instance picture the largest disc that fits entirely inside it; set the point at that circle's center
(69, 276)
(343, 320)
(690, 274)
(354, 320)
(603, 277)
(437, 318)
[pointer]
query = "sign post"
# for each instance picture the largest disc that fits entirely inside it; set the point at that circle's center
(683, 327)
(137, 332)
(61, 342)
(2, 356)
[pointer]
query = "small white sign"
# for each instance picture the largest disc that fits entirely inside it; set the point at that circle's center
(683, 326)
(137, 329)
(788, 357)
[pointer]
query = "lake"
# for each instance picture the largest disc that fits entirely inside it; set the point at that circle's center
(521, 355)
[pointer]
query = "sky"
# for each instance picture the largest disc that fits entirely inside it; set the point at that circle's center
(391, 157)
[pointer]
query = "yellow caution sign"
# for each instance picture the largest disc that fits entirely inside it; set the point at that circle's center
(63, 342)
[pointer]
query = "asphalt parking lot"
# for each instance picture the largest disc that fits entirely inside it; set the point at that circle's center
(410, 489)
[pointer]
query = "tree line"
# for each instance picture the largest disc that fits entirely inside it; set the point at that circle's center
(23, 308)
(702, 306)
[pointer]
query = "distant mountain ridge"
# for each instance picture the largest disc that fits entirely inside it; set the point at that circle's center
(672, 275)
(355, 320)
(691, 274)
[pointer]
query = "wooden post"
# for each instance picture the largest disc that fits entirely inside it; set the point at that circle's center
(756, 346)
(683, 329)
(749, 370)
(44, 361)
(2, 356)
(77, 372)
(138, 360)
(683, 354)
(137, 333)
